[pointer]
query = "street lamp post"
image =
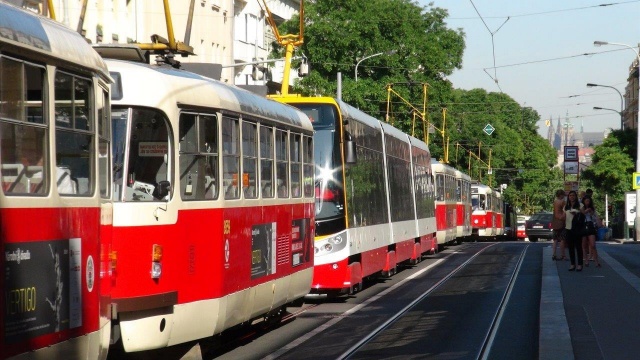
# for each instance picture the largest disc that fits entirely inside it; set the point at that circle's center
(621, 101)
(390, 52)
(601, 108)
(636, 223)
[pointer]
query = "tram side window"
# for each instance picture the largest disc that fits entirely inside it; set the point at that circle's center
(231, 157)
(74, 135)
(451, 187)
(266, 161)
(23, 129)
(148, 169)
(282, 163)
(198, 157)
(308, 166)
(296, 164)
(104, 139)
(249, 160)
(440, 189)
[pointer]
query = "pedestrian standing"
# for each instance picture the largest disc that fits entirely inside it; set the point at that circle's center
(591, 229)
(558, 224)
(574, 237)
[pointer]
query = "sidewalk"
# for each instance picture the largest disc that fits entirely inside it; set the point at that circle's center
(625, 241)
(592, 314)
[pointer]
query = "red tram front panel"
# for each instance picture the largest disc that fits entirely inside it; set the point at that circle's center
(208, 255)
(483, 223)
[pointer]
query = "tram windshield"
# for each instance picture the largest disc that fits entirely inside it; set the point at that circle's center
(478, 201)
(328, 176)
(140, 154)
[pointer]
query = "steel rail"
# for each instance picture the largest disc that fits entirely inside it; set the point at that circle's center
(352, 350)
(493, 329)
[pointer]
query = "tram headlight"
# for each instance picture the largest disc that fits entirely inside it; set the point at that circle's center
(156, 258)
(156, 270)
(331, 244)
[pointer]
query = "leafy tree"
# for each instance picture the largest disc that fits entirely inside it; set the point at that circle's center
(612, 166)
(519, 157)
(339, 33)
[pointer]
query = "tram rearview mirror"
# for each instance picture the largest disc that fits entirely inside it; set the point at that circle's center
(350, 149)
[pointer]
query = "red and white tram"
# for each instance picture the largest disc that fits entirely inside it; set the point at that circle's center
(463, 206)
(213, 215)
(55, 213)
(484, 217)
(446, 203)
(374, 196)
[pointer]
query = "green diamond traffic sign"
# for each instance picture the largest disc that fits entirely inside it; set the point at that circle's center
(489, 129)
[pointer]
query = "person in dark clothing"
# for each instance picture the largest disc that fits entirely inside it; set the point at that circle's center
(574, 237)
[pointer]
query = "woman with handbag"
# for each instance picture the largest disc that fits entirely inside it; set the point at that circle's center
(572, 209)
(589, 232)
(557, 224)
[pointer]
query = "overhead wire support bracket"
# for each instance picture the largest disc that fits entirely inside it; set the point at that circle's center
(289, 41)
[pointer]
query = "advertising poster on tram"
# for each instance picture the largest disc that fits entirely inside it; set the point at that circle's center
(43, 288)
(300, 242)
(263, 250)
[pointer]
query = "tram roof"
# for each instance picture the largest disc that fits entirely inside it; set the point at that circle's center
(437, 165)
(390, 130)
(163, 83)
(25, 30)
(349, 111)
(418, 143)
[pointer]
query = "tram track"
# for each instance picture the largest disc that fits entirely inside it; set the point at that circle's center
(491, 334)
(449, 306)
(386, 335)
(347, 354)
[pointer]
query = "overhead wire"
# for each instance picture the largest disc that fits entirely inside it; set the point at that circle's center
(551, 11)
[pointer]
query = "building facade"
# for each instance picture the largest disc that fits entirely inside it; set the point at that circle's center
(226, 32)
(631, 97)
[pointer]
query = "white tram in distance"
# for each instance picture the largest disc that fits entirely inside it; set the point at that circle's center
(374, 196)
(213, 197)
(55, 212)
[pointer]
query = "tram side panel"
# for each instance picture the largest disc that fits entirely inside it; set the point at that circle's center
(401, 197)
(424, 199)
(52, 229)
(445, 203)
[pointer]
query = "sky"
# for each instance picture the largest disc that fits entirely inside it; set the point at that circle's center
(539, 61)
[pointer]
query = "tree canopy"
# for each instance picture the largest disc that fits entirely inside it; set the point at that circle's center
(612, 165)
(414, 51)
